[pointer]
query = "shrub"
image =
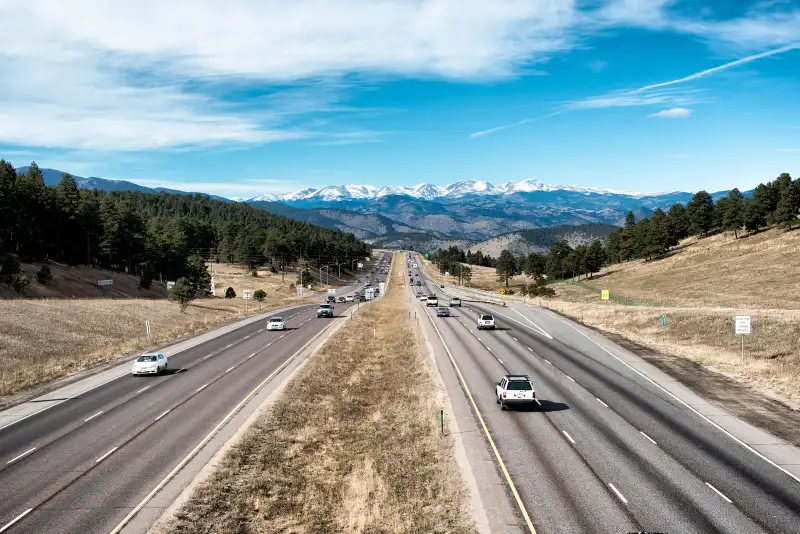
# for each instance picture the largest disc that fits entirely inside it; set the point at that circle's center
(9, 265)
(182, 292)
(20, 282)
(230, 293)
(254, 273)
(43, 275)
(146, 280)
(260, 295)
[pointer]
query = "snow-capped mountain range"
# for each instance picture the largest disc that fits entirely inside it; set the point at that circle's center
(459, 189)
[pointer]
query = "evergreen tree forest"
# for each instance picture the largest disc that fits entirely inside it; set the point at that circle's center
(158, 236)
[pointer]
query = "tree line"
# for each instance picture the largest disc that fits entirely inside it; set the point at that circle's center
(163, 235)
(776, 203)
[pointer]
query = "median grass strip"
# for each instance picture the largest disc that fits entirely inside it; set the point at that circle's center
(353, 445)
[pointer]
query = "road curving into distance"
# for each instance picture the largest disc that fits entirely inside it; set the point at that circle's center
(83, 465)
(605, 450)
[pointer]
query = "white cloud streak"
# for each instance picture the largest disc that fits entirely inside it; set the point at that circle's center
(673, 113)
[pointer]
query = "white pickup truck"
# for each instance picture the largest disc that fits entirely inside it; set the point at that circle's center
(515, 390)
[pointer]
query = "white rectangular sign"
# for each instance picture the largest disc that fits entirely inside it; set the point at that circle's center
(170, 285)
(105, 282)
(147, 326)
(332, 291)
(360, 265)
(246, 294)
(299, 291)
(742, 324)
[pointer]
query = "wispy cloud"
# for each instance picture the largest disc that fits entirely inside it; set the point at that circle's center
(787, 150)
(519, 123)
(672, 113)
(598, 65)
(239, 188)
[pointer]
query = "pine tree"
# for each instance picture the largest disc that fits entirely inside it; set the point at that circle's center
(786, 213)
(677, 224)
(701, 213)
(754, 217)
(595, 257)
(733, 214)
(506, 266)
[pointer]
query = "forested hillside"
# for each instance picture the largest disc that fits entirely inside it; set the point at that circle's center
(152, 235)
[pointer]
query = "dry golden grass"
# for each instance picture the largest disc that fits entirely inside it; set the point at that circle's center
(482, 278)
(41, 340)
(702, 335)
(758, 271)
(354, 447)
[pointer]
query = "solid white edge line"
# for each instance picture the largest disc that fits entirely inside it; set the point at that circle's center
(16, 520)
(101, 412)
(568, 437)
(620, 495)
(106, 455)
(201, 388)
(601, 402)
(662, 388)
(718, 492)
(210, 435)
(230, 369)
(143, 389)
(163, 414)
(14, 459)
(648, 437)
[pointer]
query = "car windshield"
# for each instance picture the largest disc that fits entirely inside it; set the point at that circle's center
(276, 320)
(519, 385)
(148, 358)
(325, 306)
(486, 317)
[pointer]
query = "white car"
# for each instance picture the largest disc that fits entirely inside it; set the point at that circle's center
(432, 301)
(423, 298)
(149, 364)
(349, 298)
(276, 323)
(515, 389)
(485, 321)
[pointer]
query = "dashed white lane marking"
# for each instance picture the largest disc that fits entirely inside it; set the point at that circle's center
(106, 455)
(601, 402)
(515, 339)
(163, 414)
(537, 402)
(718, 492)
(261, 330)
(570, 378)
(143, 389)
(529, 349)
(246, 337)
(201, 388)
(499, 360)
(14, 459)
(230, 369)
(93, 416)
(207, 357)
(487, 348)
(251, 355)
(229, 345)
(648, 437)
(16, 520)
(568, 437)
(548, 361)
(620, 495)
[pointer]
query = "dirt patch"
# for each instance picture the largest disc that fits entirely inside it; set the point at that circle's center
(353, 448)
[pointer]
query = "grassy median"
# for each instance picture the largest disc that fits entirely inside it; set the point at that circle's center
(352, 445)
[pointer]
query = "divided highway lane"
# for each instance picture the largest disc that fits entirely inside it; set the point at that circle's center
(675, 472)
(95, 460)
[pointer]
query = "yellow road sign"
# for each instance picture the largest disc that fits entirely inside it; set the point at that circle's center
(502, 291)
(604, 294)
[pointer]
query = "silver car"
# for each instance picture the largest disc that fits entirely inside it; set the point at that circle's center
(150, 364)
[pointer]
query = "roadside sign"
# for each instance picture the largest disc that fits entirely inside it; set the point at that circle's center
(447, 273)
(360, 265)
(382, 288)
(246, 294)
(170, 285)
(105, 283)
(663, 321)
(332, 291)
(299, 291)
(426, 255)
(742, 324)
(502, 291)
(147, 326)
(604, 294)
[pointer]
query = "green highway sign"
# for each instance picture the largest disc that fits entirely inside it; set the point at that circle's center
(663, 321)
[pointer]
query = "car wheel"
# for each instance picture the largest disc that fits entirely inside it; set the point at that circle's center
(503, 406)
(496, 398)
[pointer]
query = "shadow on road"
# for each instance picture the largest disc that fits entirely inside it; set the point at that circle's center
(544, 406)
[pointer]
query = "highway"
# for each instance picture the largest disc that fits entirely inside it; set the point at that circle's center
(83, 465)
(606, 450)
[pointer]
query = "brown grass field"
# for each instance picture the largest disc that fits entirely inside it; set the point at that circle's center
(46, 339)
(361, 453)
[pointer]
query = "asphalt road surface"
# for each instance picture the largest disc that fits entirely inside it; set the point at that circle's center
(83, 465)
(605, 450)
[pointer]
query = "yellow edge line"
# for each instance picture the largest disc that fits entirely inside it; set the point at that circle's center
(210, 435)
(486, 431)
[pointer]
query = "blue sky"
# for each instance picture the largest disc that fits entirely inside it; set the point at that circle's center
(246, 97)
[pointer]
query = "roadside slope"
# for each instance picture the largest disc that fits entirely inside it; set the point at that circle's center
(353, 446)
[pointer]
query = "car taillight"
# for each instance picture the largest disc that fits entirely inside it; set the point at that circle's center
(504, 394)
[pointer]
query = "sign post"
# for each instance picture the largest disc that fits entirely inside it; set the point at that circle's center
(147, 327)
(246, 297)
(742, 328)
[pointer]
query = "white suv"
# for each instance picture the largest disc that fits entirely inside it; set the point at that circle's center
(432, 301)
(515, 389)
(485, 321)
